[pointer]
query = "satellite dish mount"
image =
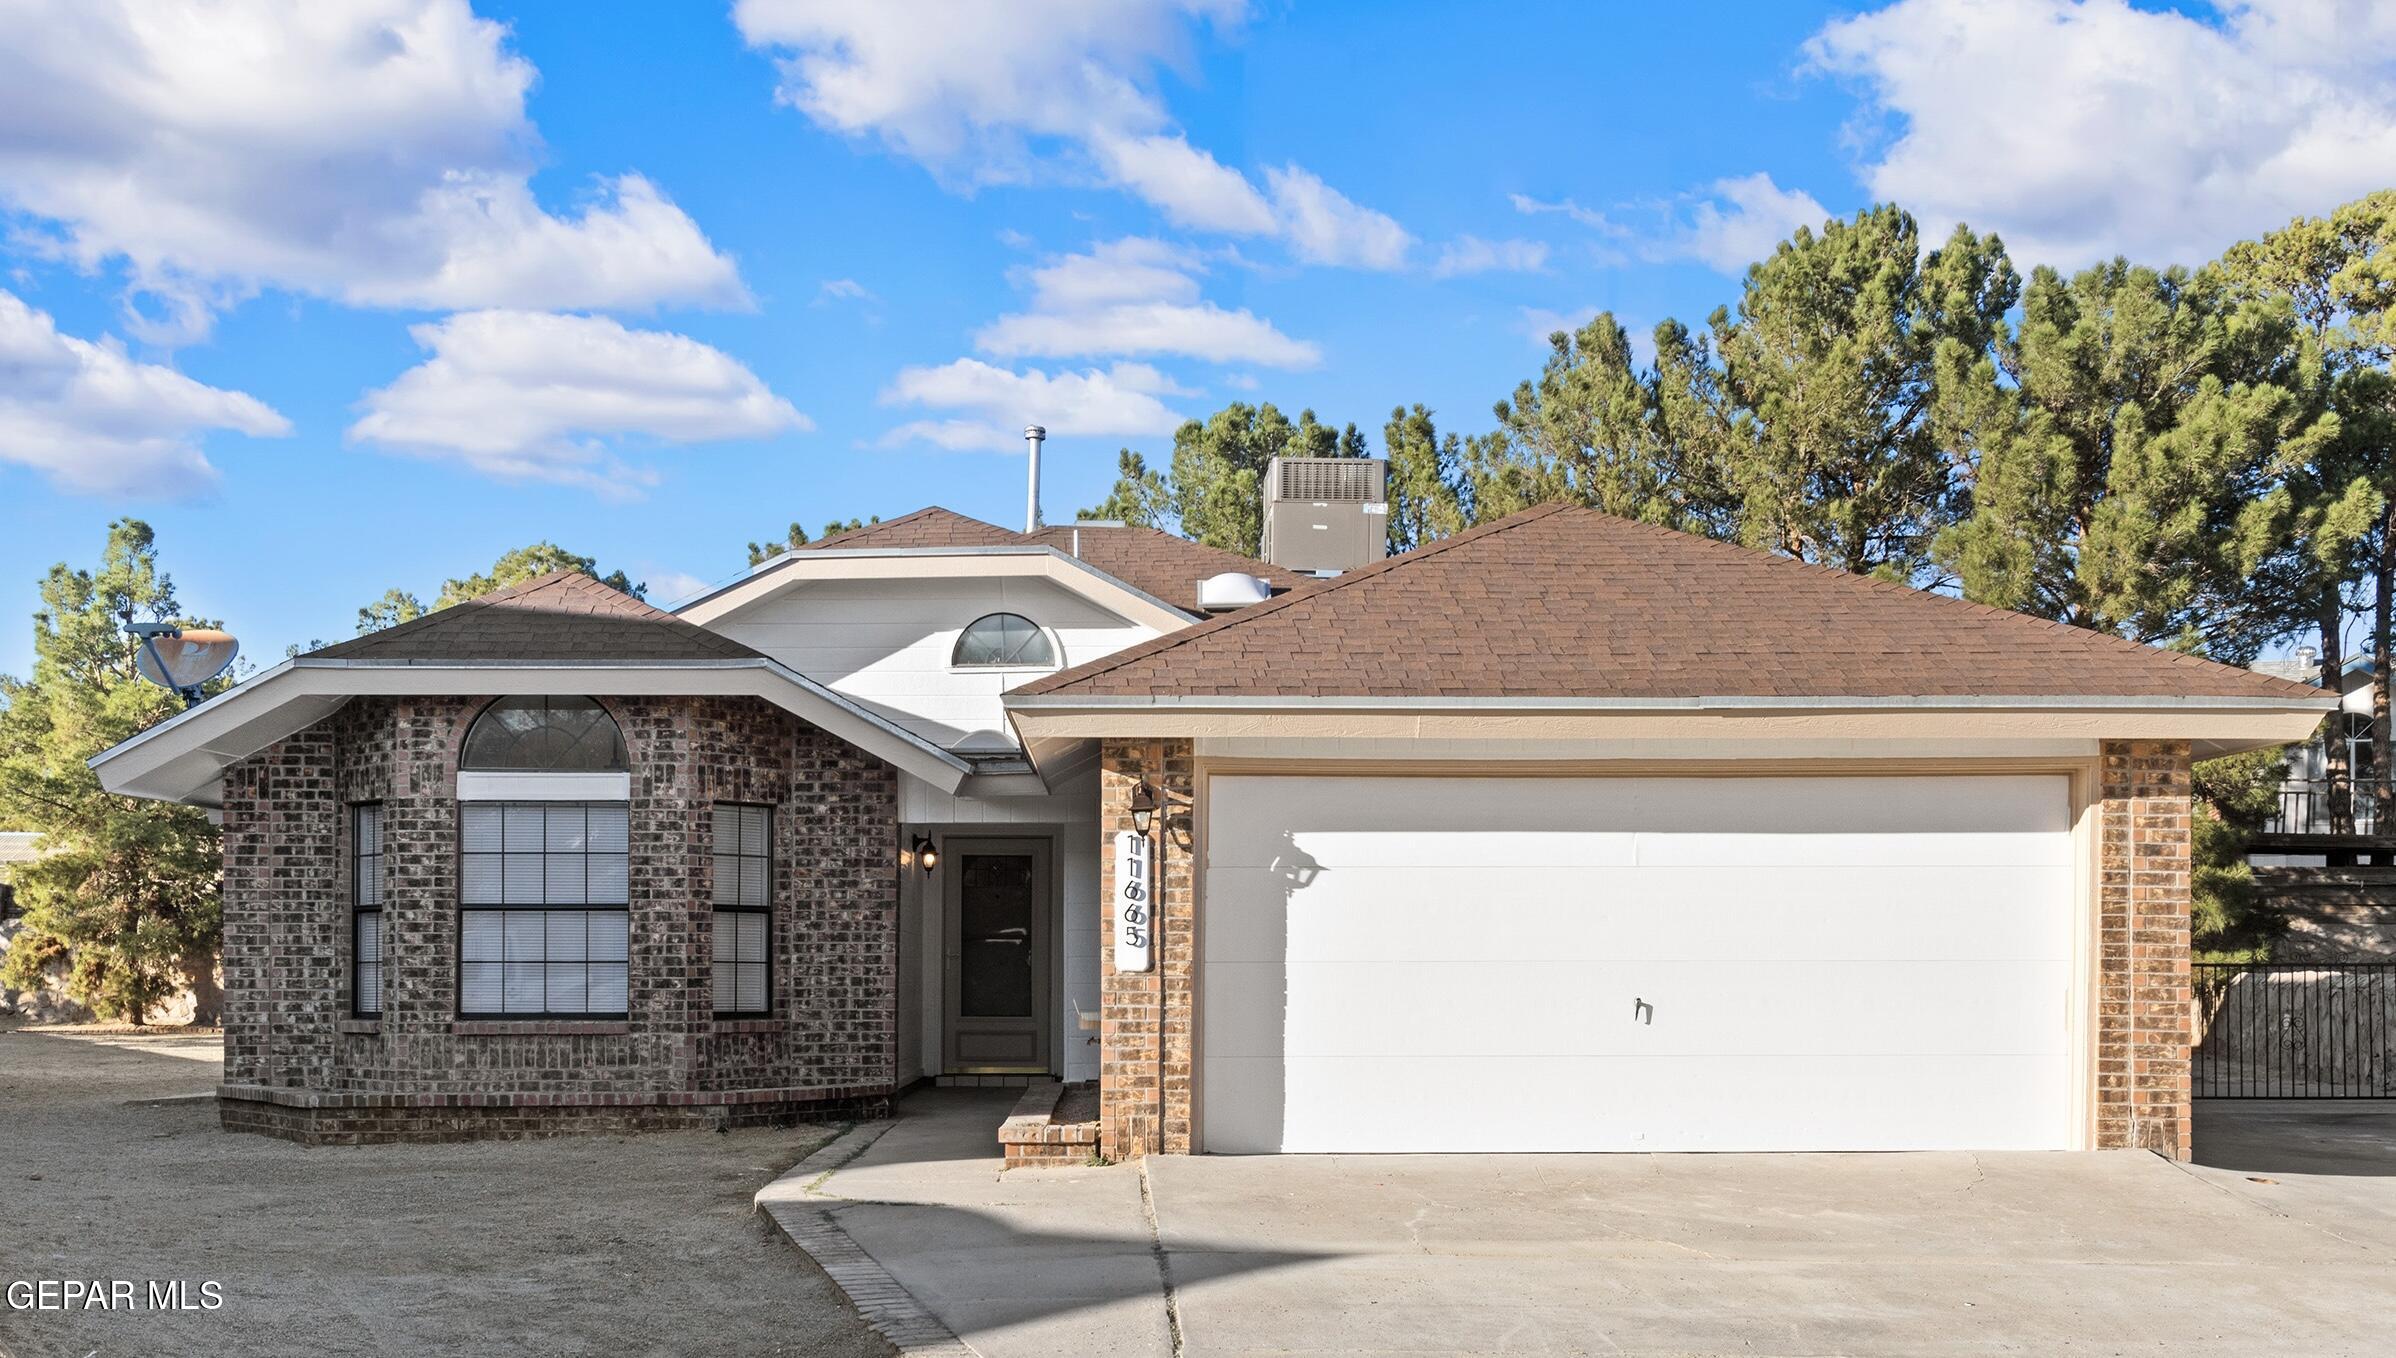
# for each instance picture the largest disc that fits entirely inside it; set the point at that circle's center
(182, 658)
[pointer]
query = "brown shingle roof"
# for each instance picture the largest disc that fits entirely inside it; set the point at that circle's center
(1147, 559)
(564, 615)
(1565, 602)
(1156, 562)
(931, 526)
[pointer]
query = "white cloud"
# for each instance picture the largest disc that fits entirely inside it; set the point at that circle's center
(96, 422)
(1471, 254)
(375, 152)
(2079, 130)
(844, 290)
(529, 396)
(1190, 187)
(1135, 297)
(1324, 227)
(991, 405)
(1022, 91)
(1133, 269)
(1589, 217)
(1738, 223)
(669, 587)
(1203, 331)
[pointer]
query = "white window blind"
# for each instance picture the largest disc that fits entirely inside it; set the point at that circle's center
(545, 921)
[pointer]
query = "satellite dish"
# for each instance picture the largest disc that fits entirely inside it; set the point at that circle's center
(182, 658)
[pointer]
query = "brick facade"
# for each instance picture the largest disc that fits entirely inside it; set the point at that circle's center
(2143, 1019)
(1147, 1033)
(297, 1064)
(2142, 1016)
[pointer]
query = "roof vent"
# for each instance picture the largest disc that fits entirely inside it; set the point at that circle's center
(1231, 590)
(1325, 515)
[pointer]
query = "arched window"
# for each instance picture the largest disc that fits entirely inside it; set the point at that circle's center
(1004, 639)
(545, 735)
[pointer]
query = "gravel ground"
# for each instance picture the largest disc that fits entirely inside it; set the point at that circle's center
(588, 1244)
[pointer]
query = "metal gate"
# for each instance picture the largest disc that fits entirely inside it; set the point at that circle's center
(2295, 1030)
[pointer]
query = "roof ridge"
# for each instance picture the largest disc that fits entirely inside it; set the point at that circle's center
(618, 604)
(2013, 617)
(1320, 587)
(908, 517)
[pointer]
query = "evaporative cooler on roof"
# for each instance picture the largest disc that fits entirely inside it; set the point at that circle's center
(1325, 515)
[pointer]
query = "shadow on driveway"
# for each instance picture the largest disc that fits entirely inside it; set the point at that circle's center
(2355, 1137)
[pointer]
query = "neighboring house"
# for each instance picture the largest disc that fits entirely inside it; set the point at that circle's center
(1565, 833)
(2317, 817)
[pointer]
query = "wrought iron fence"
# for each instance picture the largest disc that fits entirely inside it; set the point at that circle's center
(2318, 807)
(2295, 1030)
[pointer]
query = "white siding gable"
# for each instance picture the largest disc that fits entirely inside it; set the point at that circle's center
(886, 643)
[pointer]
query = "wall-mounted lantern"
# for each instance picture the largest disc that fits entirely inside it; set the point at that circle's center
(925, 853)
(1143, 807)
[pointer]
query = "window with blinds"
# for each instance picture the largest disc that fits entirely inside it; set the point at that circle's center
(744, 912)
(544, 917)
(366, 910)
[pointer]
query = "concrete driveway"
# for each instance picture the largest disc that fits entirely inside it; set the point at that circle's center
(2284, 1241)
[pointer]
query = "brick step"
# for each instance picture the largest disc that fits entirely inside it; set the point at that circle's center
(1038, 1132)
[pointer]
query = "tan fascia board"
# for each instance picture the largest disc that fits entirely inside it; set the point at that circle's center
(1077, 576)
(182, 759)
(1049, 722)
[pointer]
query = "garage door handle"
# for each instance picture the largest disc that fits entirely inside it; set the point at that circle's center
(1643, 1012)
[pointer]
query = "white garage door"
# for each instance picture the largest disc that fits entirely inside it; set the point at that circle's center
(1578, 964)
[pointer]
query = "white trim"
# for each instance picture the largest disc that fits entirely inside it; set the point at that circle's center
(183, 758)
(1922, 702)
(492, 785)
(791, 569)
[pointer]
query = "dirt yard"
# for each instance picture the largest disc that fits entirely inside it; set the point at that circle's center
(111, 1169)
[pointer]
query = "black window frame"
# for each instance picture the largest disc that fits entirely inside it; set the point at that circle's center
(359, 909)
(471, 751)
(716, 859)
(543, 908)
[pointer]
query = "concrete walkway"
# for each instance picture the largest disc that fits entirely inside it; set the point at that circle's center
(1035, 1262)
(2283, 1243)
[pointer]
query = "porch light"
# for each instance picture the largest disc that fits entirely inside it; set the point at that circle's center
(925, 854)
(1143, 807)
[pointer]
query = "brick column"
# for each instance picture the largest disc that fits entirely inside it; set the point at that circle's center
(2142, 997)
(1147, 1028)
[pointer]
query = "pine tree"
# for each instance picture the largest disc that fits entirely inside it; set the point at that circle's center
(1139, 495)
(1426, 498)
(1817, 410)
(128, 893)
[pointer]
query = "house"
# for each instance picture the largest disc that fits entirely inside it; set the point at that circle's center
(1565, 833)
(2321, 819)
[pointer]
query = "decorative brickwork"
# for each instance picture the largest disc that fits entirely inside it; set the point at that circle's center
(2142, 1006)
(1147, 1035)
(831, 1040)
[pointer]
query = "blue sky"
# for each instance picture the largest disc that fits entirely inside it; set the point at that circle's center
(365, 297)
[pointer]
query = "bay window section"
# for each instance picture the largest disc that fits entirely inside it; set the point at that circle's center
(544, 917)
(743, 910)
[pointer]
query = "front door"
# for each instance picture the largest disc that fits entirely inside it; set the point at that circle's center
(997, 907)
